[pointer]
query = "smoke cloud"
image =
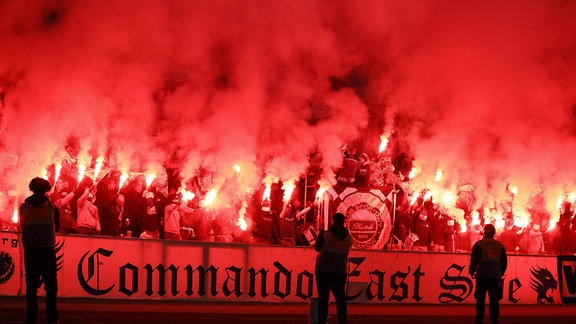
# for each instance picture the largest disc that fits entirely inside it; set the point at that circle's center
(479, 89)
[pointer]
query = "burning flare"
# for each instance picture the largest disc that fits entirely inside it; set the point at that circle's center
(552, 224)
(412, 173)
(81, 172)
(57, 170)
(123, 178)
(44, 174)
(383, 143)
(438, 175)
(15, 215)
(320, 192)
(187, 195)
(98, 167)
(415, 196)
(210, 197)
(513, 190)
(149, 179)
(241, 220)
(428, 195)
(448, 198)
(266, 195)
(463, 227)
(288, 190)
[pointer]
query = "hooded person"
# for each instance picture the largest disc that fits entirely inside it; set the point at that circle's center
(39, 220)
(332, 246)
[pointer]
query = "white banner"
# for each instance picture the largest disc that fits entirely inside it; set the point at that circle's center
(10, 264)
(126, 268)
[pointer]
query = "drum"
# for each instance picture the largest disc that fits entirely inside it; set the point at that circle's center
(306, 235)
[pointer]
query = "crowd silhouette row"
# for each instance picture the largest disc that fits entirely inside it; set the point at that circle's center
(161, 212)
(110, 207)
(133, 210)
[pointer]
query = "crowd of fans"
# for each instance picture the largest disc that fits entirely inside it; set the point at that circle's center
(161, 212)
(109, 208)
(428, 228)
(424, 225)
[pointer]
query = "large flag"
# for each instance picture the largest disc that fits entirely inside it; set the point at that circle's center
(367, 210)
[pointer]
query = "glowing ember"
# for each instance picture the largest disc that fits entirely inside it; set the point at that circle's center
(236, 168)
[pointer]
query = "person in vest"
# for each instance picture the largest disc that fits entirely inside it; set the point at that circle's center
(39, 221)
(332, 268)
(488, 263)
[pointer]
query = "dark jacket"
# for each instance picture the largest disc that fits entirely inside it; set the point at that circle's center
(39, 220)
(488, 259)
(333, 246)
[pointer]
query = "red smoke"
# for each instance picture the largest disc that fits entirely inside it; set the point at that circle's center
(481, 89)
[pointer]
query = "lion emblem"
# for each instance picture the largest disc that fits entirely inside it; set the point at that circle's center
(6, 267)
(544, 284)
